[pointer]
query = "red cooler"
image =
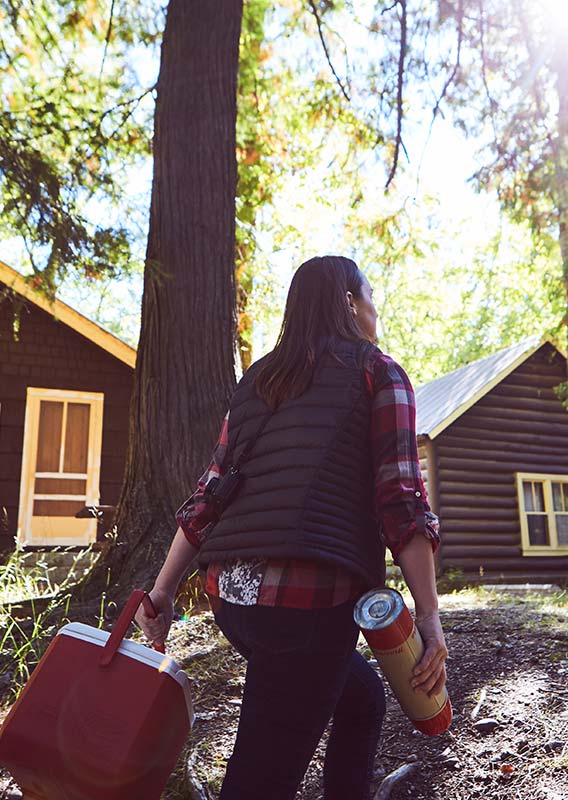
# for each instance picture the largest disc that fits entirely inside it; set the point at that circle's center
(101, 718)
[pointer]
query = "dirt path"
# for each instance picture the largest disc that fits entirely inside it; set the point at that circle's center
(510, 652)
(509, 658)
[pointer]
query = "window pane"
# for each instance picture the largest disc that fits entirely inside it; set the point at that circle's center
(538, 529)
(538, 496)
(557, 497)
(49, 436)
(565, 490)
(527, 494)
(77, 437)
(562, 528)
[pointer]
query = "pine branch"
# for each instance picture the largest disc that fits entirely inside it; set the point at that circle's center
(107, 42)
(400, 89)
(457, 64)
(326, 51)
(492, 102)
(449, 81)
(131, 105)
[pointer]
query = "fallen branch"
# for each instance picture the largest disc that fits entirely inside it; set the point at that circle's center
(393, 778)
(194, 786)
(480, 702)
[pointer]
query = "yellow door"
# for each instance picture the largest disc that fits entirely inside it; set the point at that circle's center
(60, 467)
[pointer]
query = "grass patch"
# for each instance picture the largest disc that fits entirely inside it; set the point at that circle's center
(33, 606)
(23, 643)
(27, 575)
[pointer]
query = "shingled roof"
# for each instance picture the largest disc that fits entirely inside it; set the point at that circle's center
(440, 402)
(68, 316)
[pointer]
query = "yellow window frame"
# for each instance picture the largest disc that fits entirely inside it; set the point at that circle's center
(553, 549)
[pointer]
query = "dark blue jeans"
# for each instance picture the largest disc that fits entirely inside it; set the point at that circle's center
(302, 669)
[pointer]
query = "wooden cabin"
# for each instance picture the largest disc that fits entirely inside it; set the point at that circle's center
(65, 386)
(493, 444)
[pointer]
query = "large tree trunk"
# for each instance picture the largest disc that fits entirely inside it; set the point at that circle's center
(185, 370)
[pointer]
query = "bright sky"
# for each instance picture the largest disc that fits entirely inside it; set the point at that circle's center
(557, 12)
(444, 166)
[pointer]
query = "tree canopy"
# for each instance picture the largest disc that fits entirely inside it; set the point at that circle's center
(74, 119)
(333, 100)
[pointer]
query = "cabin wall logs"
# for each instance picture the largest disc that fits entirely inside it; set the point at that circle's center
(519, 426)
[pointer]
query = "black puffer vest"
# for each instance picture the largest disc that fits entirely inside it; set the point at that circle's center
(308, 482)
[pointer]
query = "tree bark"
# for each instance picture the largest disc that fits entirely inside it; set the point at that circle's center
(185, 371)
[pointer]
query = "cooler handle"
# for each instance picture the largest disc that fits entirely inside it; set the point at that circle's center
(151, 612)
(121, 625)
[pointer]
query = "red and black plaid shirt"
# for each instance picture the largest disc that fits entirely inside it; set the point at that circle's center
(400, 505)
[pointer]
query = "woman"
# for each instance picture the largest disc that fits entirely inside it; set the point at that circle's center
(322, 430)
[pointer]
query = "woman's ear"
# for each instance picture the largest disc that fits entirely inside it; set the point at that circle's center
(350, 303)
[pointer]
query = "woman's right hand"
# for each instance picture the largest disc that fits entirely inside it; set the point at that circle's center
(157, 628)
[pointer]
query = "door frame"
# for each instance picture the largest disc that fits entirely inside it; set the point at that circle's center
(29, 454)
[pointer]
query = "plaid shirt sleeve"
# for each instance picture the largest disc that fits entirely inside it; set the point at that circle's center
(401, 504)
(195, 517)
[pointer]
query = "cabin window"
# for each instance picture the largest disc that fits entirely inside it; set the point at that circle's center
(543, 506)
(60, 466)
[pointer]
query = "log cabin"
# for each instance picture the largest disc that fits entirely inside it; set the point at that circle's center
(493, 447)
(65, 386)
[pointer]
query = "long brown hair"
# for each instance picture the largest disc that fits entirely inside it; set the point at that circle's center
(316, 313)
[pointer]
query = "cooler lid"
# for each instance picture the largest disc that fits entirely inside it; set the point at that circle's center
(137, 651)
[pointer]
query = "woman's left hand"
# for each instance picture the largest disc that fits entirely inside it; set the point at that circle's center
(429, 675)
